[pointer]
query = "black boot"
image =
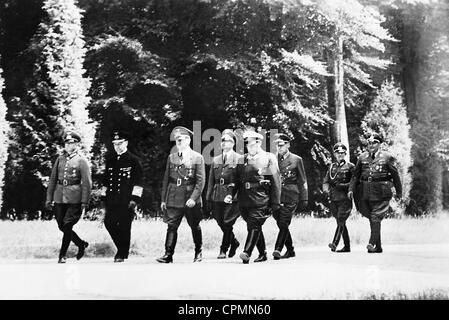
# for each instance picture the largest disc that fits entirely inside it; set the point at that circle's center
(198, 241)
(234, 245)
(251, 240)
(290, 253)
(375, 235)
(282, 235)
(170, 243)
(226, 240)
(347, 246)
(81, 250)
(261, 247)
(333, 245)
(379, 243)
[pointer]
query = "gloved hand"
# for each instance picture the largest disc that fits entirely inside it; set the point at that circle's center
(48, 205)
(190, 203)
(163, 206)
(132, 205)
(350, 195)
(228, 199)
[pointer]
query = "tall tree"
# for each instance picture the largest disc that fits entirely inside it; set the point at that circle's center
(4, 130)
(56, 102)
(388, 116)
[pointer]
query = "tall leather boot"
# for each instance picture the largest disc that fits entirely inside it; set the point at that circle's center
(234, 245)
(170, 243)
(198, 241)
(338, 231)
(251, 240)
(225, 243)
(347, 245)
(378, 242)
(282, 235)
(261, 247)
(375, 234)
(290, 253)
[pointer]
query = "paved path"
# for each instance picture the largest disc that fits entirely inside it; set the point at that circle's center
(315, 273)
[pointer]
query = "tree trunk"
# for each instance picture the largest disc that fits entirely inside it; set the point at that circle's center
(340, 128)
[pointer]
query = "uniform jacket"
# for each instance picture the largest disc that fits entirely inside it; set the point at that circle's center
(251, 193)
(122, 178)
(337, 180)
(70, 180)
(184, 179)
(293, 178)
(223, 177)
(376, 177)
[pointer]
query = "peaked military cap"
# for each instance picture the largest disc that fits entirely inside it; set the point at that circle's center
(281, 138)
(179, 132)
(375, 137)
(228, 134)
(340, 147)
(252, 135)
(118, 136)
(72, 137)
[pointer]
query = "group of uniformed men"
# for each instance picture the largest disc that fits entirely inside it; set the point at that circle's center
(255, 186)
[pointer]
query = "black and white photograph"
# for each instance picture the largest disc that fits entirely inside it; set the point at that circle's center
(240, 152)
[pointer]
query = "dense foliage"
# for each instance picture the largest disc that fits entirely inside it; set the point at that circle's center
(154, 64)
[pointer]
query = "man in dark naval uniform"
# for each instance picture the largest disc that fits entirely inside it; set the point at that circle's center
(69, 188)
(375, 173)
(336, 186)
(221, 192)
(182, 185)
(294, 193)
(259, 193)
(123, 190)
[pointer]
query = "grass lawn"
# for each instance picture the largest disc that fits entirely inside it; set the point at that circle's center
(41, 239)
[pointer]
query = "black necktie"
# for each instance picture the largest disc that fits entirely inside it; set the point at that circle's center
(373, 156)
(224, 158)
(180, 155)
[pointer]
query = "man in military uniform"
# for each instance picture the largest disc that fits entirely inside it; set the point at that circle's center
(293, 193)
(69, 189)
(375, 173)
(182, 185)
(221, 192)
(336, 185)
(259, 193)
(122, 187)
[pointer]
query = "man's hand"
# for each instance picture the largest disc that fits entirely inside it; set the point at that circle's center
(302, 205)
(48, 205)
(190, 203)
(163, 206)
(228, 199)
(83, 208)
(275, 207)
(132, 205)
(350, 195)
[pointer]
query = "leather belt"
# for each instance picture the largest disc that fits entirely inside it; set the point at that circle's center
(370, 179)
(66, 182)
(222, 182)
(180, 182)
(249, 185)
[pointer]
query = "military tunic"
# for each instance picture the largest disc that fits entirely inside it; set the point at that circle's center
(255, 197)
(70, 180)
(69, 186)
(184, 179)
(374, 179)
(222, 182)
(294, 187)
(336, 183)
